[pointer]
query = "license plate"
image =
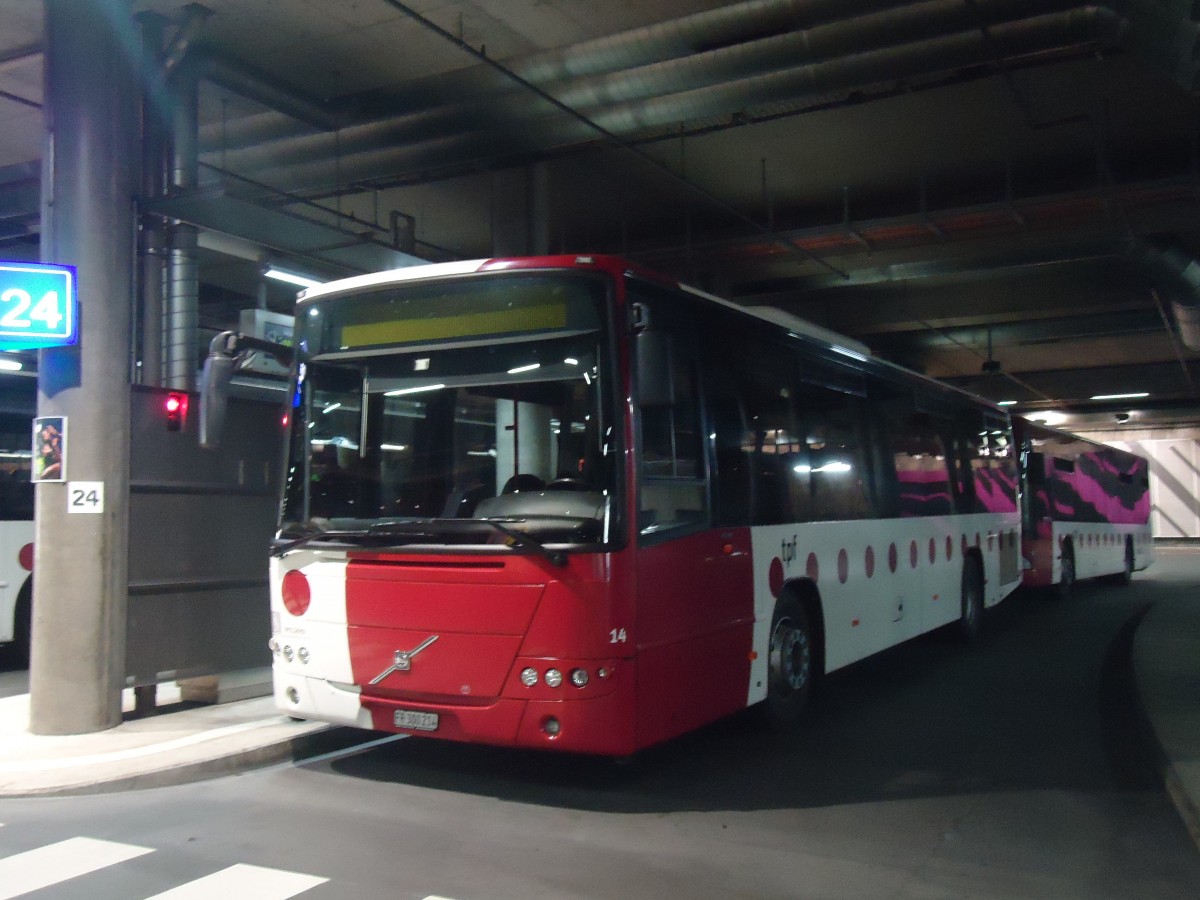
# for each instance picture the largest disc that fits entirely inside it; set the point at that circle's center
(415, 721)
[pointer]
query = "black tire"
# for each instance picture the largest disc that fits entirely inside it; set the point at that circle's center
(18, 650)
(1066, 583)
(970, 622)
(1125, 576)
(790, 664)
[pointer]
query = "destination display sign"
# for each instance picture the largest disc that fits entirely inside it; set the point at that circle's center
(38, 305)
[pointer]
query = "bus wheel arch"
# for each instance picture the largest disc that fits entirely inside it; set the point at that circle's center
(795, 653)
(970, 622)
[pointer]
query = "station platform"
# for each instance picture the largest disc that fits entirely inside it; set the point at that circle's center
(184, 742)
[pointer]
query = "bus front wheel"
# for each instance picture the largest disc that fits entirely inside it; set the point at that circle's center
(789, 664)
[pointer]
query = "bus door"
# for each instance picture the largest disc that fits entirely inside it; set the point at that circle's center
(695, 605)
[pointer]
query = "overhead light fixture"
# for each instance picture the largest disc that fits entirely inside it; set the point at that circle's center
(413, 390)
(291, 277)
(1006, 402)
(8, 364)
(1136, 395)
(1050, 417)
(528, 368)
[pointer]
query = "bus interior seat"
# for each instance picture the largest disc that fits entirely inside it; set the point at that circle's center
(523, 481)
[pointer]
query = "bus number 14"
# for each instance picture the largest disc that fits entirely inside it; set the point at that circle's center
(617, 636)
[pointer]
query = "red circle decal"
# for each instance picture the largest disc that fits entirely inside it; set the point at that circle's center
(775, 576)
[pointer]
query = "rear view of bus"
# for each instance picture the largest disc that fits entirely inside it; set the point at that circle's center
(1086, 509)
(445, 561)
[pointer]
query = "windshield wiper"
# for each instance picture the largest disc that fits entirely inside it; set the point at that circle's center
(431, 527)
(316, 534)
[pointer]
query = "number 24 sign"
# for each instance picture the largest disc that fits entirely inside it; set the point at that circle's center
(37, 305)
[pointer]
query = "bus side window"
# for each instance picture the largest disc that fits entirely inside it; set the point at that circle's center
(837, 461)
(921, 464)
(734, 457)
(672, 491)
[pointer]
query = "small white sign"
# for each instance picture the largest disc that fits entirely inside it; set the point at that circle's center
(85, 496)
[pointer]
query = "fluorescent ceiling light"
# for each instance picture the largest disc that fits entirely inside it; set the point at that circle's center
(291, 277)
(1050, 418)
(414, 390)
(528, 368)
(1006, 402)
(8, 364)
(1136, 395)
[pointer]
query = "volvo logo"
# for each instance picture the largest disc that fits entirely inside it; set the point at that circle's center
(403, 659)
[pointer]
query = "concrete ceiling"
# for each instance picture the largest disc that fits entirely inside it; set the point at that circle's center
(1001, 193)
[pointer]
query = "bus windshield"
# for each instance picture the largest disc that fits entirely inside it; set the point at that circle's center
(480, 407)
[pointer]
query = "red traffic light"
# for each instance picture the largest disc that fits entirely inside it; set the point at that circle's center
(176, 405)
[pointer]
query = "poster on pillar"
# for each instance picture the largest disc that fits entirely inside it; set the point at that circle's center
(49, 449)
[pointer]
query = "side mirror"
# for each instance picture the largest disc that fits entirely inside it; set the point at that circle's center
(214, 390)
(655, 385)
(225, 356)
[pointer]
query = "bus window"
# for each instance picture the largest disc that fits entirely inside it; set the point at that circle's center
(922, 467)
(672, 491)
(836, 468)
(733, 445)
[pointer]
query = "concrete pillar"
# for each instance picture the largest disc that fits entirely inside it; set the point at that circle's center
(521, 211)
(88, 183)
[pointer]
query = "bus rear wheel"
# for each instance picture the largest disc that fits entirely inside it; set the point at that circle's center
(1125, 576)
(1066, 581)
(970, 621)
(789, 664)
(22, 623)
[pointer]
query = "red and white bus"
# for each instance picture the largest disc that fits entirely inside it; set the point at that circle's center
(565, 503)
(1085, 506)
(17, 401)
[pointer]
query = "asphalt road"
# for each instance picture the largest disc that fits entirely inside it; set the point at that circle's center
(1007, 769)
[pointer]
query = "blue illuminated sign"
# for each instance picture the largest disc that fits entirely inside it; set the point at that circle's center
(38, 305)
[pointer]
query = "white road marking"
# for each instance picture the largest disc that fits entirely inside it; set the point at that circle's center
(56, 863)
(243, 882)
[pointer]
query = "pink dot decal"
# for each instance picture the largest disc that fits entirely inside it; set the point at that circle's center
(869, 562)
(932, 551)
(812, 569)
(893, 558)
(843, 566)
(912, 554)
(775, 576)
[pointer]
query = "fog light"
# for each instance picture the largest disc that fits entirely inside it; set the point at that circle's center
(303, 654)
(551, 727)
(553, 677)
(293, 695)
(529, 677)
(579, 677)
(287, 652)
(603, 673)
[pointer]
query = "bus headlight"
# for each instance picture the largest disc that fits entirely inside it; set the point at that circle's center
(579, 677)
(529, 677)
(553, 678)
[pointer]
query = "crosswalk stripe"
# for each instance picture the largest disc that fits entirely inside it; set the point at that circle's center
(243, 882)
(55, 863)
